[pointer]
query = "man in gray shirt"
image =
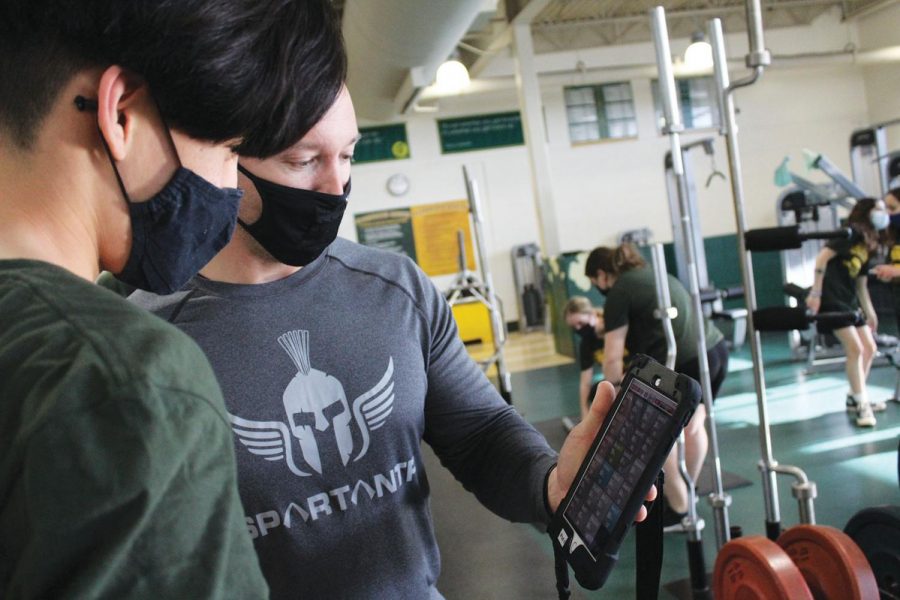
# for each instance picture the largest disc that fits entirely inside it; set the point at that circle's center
(336, 361)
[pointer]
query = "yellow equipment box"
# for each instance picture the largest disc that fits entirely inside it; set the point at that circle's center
(473, 321)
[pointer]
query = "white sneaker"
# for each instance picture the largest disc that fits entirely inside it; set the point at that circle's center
(877, 405)
(864, 417)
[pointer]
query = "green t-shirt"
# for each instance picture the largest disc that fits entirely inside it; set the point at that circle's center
(632, 302)
(117, 470)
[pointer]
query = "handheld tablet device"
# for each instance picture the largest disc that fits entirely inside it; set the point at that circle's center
(649, 412)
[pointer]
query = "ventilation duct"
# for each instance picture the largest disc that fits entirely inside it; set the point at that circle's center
(396, 46)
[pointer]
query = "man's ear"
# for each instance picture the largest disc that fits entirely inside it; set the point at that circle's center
(116, 99)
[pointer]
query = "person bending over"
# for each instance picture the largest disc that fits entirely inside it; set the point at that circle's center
(337, 361)
(622, 275)
(587, 322)
(840, 286)
(118, 122)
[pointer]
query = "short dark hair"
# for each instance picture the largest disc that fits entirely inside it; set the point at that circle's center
(614, 261)
(895, 192)
(264, 71)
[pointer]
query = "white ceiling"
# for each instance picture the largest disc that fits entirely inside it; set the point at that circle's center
(571, 25)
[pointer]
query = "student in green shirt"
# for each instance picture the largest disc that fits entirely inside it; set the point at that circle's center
(118, 125)
(622, 275)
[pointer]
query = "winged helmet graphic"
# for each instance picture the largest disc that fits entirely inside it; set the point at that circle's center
(315, 402)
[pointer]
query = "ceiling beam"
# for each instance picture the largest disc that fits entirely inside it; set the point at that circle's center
(503, 38)
(689, 13)
(862, 9)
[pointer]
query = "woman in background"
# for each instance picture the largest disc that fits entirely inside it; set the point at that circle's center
(840, 286)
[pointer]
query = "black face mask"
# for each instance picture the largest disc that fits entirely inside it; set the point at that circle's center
(586, 332)
(296, 225)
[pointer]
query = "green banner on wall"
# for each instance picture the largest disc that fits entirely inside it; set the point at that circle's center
(387, 229)
(480, 131)
(387, 142)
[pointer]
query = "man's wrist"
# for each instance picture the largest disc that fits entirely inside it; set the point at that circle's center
(547, 506)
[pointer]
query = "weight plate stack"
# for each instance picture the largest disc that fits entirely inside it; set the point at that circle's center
(877, 533)
(756, 568)
(831, 563)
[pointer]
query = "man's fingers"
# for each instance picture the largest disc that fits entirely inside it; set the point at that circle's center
(603, 401)
(651, 495)
(642, 514)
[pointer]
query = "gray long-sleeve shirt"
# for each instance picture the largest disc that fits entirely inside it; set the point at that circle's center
(332, 378)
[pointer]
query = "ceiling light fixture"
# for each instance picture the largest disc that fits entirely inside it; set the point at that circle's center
(452, 76)
(698, 57)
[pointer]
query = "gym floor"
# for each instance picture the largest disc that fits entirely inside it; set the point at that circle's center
(485, 557)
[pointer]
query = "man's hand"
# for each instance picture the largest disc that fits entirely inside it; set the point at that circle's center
(576, 447)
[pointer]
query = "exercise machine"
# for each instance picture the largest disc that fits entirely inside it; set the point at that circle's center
(875, 169)
(528, 275)
(469, 286)
(682, 194)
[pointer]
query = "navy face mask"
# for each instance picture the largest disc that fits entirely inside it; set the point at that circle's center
(895, 221)
(296, 225)
(178, 230)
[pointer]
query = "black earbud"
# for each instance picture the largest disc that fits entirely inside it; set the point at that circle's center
(83, 104)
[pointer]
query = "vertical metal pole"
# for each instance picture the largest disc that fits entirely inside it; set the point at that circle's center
(673, 127)
(498, 328)
(665, 315)
(664, 301)
(758, 55)
(697, 566)
(729, 130)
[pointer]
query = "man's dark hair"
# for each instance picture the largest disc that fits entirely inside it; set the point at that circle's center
(264, 71)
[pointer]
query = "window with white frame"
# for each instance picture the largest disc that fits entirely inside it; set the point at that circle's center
(600, 112)
(696, 101)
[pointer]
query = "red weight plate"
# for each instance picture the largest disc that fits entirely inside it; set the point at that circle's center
(756, 568)
(831, 563)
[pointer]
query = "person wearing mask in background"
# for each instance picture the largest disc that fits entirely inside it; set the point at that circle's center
(622, 275)
(891, 270)
(337, 361)
(587, 322)
(118, 124)
(840, 286)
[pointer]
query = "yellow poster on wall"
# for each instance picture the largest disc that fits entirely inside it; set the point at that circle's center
(435, 231)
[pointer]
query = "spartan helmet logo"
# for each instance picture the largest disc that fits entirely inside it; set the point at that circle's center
(315, 404)
(318, 414)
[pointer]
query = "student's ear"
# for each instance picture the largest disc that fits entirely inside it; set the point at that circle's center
(116, 102)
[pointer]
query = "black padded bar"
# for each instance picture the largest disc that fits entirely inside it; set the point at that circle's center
(785, 318)
(787, 238)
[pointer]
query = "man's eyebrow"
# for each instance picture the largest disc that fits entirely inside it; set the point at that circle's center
(308, 146)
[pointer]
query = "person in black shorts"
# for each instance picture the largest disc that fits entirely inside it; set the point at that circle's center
(587, 321)
(622, 275)
(840, 285)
